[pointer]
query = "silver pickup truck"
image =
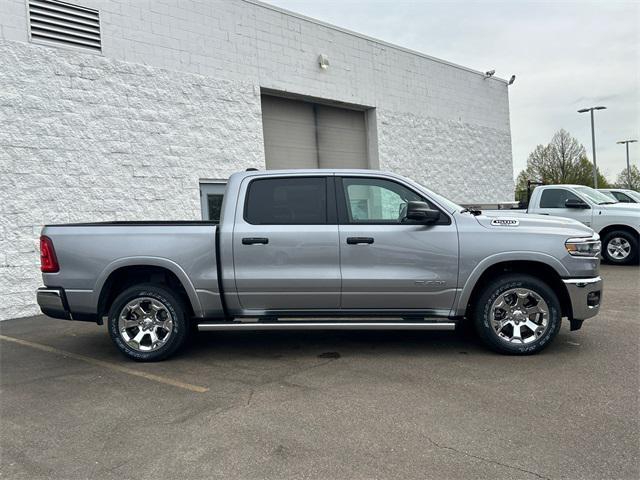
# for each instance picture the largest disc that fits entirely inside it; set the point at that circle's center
(324, 249)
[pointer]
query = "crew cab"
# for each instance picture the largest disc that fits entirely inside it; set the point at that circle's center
(324, 249)
(618, 224)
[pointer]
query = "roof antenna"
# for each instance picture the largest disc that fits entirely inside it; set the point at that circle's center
(251, 169)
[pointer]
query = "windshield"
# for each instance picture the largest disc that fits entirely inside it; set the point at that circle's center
(595, 196)
(609, 194)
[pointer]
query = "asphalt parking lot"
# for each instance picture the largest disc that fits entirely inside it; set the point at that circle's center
(325, 405)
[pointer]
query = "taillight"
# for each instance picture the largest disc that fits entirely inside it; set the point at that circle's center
(48, 260)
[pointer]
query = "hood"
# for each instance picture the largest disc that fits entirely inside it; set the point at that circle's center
(505, 220)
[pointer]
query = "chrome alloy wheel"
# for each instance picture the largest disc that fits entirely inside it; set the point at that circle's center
(519, 315)
(618, 248)
(145, 324)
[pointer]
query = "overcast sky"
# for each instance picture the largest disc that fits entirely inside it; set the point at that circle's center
(566, 55)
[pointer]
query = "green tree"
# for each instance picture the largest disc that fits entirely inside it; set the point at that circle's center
(623, 182)
(563, 160)
(521, 186)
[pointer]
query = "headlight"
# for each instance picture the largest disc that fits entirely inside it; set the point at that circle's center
(583, 247)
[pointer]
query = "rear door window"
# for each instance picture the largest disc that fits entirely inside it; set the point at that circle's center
(287, 201)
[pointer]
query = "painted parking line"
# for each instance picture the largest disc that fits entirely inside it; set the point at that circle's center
(108, 365)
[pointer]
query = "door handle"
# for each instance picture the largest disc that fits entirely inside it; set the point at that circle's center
(255, 240)
(357, 240)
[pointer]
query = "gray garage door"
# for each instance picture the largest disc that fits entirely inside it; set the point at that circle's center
(299, 134)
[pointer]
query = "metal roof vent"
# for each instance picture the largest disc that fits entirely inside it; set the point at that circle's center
(59, 23)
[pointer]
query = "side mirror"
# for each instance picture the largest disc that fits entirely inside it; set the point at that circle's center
(420, 211)
(575, 203)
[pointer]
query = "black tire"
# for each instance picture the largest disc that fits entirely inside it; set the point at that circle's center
(632, 258)
(174, 306)
(495, 289)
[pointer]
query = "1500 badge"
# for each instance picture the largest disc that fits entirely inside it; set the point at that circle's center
(431, 283)
(505, 222)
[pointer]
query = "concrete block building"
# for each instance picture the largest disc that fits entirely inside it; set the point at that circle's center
(140, 109)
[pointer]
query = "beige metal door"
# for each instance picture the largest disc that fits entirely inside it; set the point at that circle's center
(289, 129)
(342, 137)
(300, 134)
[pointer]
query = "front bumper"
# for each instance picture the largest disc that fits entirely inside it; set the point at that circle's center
(53, 303)
(585, 295)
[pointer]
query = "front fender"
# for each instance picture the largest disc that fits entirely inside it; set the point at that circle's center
(465, 293)
(170, 265)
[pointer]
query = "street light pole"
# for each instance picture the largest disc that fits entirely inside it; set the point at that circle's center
(626, 143)
(593, 141)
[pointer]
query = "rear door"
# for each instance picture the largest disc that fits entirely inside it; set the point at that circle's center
(552, 202)
(285, 244)
(388, 263)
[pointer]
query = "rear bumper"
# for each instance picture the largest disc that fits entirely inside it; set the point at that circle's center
(53, 303)
(585, 295)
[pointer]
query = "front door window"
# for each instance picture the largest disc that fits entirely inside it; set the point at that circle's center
(374, 201)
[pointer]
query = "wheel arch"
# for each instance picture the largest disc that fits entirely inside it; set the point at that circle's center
(544, 270)
(127, 272)
(617, 227)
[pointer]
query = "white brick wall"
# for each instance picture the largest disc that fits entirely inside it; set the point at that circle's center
(248, 41)
(464, 162)
(175, 98)
(85, 138)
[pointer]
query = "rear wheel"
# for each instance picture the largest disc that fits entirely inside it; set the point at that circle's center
(620, 248)
(148, 323)
(517, 314)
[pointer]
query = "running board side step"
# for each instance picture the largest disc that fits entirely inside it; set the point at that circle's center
(220, 326)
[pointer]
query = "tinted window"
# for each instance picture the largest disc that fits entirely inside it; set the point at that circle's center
(621, 197)
(610, 195)
(556, 198)
(287, 201)
(214, 204)
(372, 200)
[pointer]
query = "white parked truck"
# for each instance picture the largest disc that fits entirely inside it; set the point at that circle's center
(617, 223)
(622, 195)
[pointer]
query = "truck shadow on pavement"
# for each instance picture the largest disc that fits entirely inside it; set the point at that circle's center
(332, 344)
(87, 339)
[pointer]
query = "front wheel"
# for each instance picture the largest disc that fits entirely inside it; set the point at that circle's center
(620, 248)
(148, 323)
(517, 314)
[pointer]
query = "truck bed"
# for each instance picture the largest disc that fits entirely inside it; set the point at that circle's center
(91, 253)
(154, 223)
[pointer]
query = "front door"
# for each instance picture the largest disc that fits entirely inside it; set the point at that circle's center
(387, 262)
(285, 244)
